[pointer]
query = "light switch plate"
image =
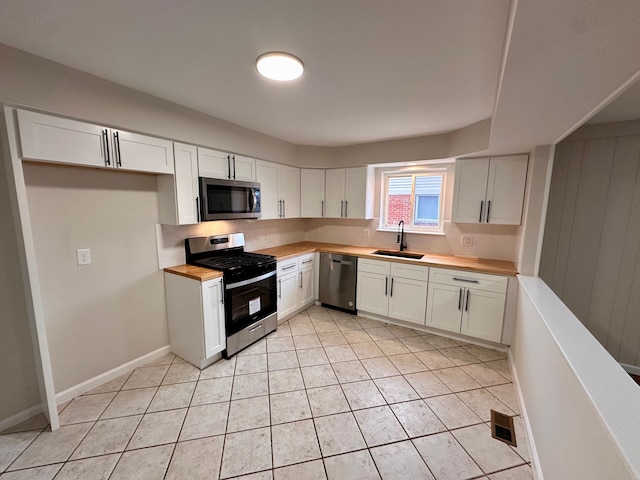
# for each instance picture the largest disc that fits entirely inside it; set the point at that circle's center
(84, 256)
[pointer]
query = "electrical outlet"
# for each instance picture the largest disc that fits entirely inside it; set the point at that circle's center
(466, 240)
(366, 233)
(84, 256)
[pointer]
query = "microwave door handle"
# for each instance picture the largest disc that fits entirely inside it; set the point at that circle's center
(252, 199)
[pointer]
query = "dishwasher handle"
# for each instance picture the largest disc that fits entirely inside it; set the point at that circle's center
(341, 262)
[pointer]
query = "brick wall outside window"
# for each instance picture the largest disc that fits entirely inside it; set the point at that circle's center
(399, 209)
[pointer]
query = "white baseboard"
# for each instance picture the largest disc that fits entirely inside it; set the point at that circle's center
(105, 377)
(533, 452)
(631, 368)
(20, 417)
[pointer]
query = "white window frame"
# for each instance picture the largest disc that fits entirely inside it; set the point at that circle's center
(409, 227)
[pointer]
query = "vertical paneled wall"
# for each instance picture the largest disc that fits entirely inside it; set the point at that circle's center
(591, 249)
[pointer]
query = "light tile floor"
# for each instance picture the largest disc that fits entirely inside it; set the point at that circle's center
(328, 395)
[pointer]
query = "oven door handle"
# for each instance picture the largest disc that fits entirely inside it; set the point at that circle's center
(231, 286)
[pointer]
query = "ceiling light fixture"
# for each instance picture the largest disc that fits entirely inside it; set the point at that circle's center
(279, 66)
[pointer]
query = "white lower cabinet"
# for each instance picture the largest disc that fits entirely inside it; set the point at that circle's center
(296, 286)
(392, 289)
(467, 302)
(195, 313)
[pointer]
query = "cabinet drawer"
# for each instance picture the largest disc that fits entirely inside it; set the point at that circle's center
(411, 272)
(287, 266)
(461, 278)
(306, 261)
(374, 266)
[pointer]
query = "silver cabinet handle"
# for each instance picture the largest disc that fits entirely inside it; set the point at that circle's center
(288, 267)
(466, 307)
(386, 286)
(307, 261)
(221, 293)
(234, 167)
(346, 208)
(341, 208)
(105, 139)
(488, 210)
(284, 209)
(481, 207)
(391, 290)
(300, 279)
(279, 288)
(460, 299)
(229, 166)
(322, 208)
(465, 280)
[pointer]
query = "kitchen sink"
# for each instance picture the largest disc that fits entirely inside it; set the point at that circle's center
(394, 253)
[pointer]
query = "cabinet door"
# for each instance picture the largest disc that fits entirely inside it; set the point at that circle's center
(306, 290)
(54, 139)
(244, 168)
(355, 192)
(505, 189)
(213, 316)
(469, 191)
(483, 315)
(311, 193)
(213, 164)
(408, 300)
(289, 190)
(334, 193)
(287, 294)
(444, 307)
(372, 293)
(142, 153)
(186, 182)
(267, 177)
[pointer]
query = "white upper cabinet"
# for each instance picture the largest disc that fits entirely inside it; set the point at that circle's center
(289, 191)
(334, 196)
(54, 139)
(490, 190)
(216, 164)
(349, 193)
(178, 194)
(312, 193)
(279, 190)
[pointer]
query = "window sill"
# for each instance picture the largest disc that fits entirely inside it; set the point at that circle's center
(417, 232)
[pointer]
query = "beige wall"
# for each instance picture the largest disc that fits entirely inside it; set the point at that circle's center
(18, 376)
(102, 315)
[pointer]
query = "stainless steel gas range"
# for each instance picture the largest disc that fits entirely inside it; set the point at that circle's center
(250, 295)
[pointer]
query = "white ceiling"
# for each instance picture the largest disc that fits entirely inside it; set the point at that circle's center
(375, 69)
(623, 108)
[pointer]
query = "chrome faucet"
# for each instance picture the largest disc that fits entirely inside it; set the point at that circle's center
(401, 240)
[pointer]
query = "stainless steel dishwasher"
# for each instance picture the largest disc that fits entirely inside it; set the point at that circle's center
(338, 281)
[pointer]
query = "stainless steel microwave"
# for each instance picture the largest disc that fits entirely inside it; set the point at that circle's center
(228, 199)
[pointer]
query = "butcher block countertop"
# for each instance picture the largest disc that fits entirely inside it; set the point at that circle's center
(483, 265)
(197, 273)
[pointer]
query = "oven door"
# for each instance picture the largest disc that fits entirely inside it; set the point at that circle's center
(249, 301)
